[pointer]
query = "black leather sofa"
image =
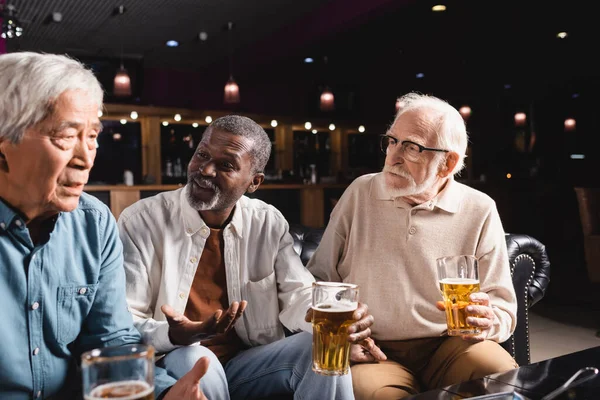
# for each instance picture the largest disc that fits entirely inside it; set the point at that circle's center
(529, 266)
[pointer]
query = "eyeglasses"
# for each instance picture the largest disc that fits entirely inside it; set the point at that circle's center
(412, 151)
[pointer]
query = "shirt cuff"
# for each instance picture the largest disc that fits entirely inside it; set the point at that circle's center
(161, 341)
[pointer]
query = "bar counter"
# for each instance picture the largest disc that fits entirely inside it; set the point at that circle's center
(313, 200)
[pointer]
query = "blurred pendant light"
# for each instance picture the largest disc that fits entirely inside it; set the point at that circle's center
(122, 83)
(232, 90)
(327, 101)
(11, 27)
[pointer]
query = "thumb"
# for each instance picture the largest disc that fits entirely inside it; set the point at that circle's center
(309, 314)
(440, 305)
(170, 313)
(198, 371)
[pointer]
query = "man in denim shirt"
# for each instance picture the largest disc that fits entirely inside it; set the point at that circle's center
(62, 283)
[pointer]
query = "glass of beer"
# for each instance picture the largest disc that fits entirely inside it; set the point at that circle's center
(458, 277)
(332, 305)
(118, 372)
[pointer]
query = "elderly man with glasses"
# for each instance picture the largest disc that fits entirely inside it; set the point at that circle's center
(386, 233)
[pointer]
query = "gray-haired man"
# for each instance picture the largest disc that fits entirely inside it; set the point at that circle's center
(62, 283)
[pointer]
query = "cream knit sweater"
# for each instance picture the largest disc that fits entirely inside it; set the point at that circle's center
(390, 248)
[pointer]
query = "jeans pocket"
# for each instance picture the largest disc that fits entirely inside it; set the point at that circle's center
(74, 304)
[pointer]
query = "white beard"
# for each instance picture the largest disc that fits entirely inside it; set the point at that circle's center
(412, 188)
(199, 205)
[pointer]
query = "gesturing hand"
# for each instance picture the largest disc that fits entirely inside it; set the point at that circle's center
(188, 387)
(183, 331)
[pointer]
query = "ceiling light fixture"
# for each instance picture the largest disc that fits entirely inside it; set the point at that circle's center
(361, 129)
(308, 60)
(177, 117)
(420, 75)
(203, 36)
(314, 131)
(172, 43)
(208, 119)
(11, 27)
(438, 8)
(165, 123)
(327, 101)
(134, 115)
(307, 125)
(465, 111)
(399, 104)
(122, 82)
(195, 125)
(570, 125)
(520, 119)
(332, 127)
(123, 121)
(274, 123)
(232, 90)
(562, 35)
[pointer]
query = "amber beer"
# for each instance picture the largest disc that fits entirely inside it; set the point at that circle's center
(456, 292)
(124, 390)
(333, 306)
(118, 372)
(331, 349)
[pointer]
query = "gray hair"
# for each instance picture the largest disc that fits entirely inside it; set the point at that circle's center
(30, 85)
(244, 126)
(447, 123)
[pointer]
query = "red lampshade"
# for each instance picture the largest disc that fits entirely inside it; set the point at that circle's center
(327, 100)
(520, 119)
(232, 92)
(122, 85)
(570, 124)
(465, 111)
(399, 104)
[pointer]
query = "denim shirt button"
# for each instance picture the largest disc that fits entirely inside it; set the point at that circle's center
(82, 290)
(36, 351)
(35, 305)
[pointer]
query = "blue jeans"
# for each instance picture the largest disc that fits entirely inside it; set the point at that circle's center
(281, 367)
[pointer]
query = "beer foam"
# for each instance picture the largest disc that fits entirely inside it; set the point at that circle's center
(341, 306)
(459, 281)
(97, 392)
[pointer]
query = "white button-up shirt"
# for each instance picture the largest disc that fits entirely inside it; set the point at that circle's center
(163, 238)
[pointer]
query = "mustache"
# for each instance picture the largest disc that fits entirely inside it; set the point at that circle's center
(397, 170)
(199, 179)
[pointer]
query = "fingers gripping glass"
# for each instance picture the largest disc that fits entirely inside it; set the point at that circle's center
(411, 150)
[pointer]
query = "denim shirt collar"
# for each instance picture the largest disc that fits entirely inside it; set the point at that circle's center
(7, 215)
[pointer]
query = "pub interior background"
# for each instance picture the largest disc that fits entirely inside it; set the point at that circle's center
(498, 59)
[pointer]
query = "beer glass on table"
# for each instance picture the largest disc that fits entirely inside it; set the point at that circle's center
(332, 305)
(118, 372)
(458, 277)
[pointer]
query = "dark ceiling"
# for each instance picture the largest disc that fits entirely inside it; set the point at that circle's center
(374, 48)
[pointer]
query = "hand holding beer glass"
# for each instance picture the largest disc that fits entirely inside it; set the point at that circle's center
(119, 372)
(458, 278)
(333, 305)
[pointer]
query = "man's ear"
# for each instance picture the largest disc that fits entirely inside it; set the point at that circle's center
(3, 162)
(256, 181)
(448, 166)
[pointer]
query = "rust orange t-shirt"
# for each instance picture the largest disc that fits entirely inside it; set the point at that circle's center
(209, 294)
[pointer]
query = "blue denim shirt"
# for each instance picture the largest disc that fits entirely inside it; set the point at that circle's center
(60, 298)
